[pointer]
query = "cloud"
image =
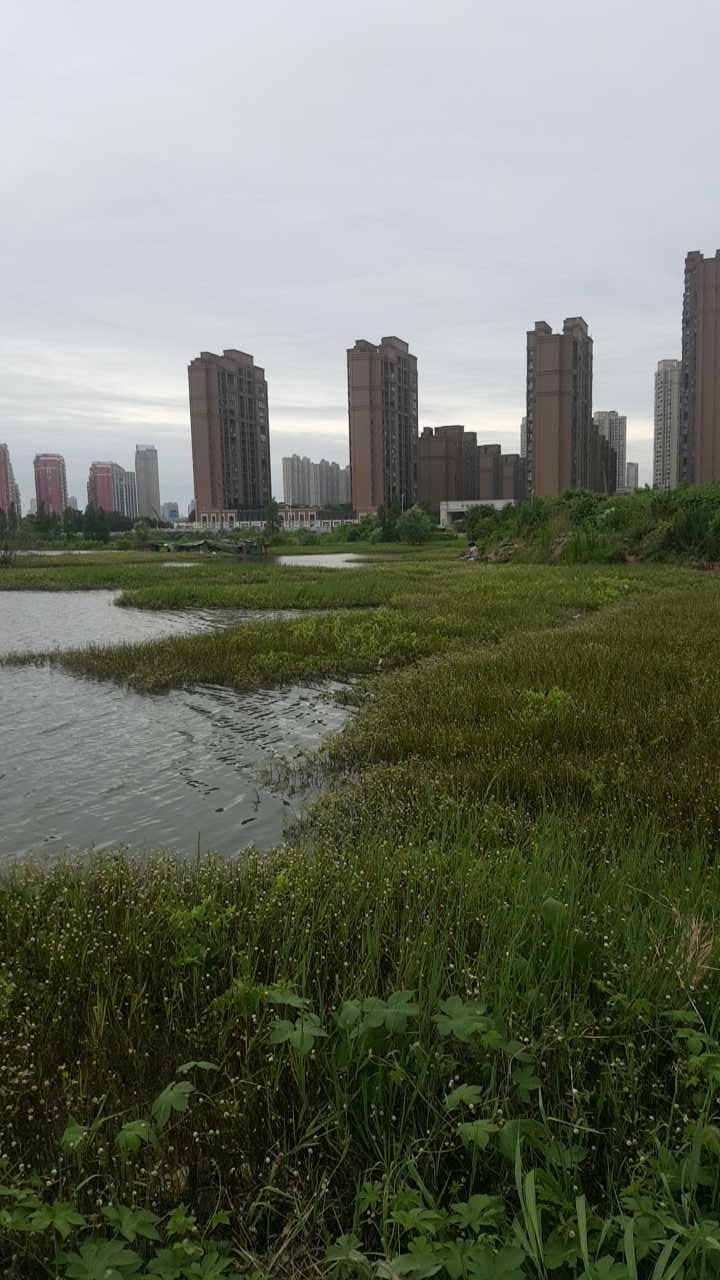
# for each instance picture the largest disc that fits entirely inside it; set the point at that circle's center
(287, 179)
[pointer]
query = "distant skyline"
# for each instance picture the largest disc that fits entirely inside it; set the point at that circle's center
(450, 175)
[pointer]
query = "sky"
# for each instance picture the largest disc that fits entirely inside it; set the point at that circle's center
(285, 178)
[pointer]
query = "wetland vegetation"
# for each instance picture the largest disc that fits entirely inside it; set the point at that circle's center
(465, 1023)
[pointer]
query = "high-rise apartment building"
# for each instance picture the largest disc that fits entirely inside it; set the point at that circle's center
(631, 477)
(667, 424)
(170, 511)
(523, 438)
(307, 483)
(230, 429)
(489, 470)
(559, 408)
(603, 464)
(111, 488)
(613, 427)
(50, 482)
(453, 467)
(512, 477)
(100, 486)
(383, 422)
(699, 443)
(124, 492)
(9, 491)
(442, 456)
(147, 481)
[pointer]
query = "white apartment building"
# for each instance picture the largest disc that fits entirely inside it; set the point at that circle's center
(667, 422)
(613, 426)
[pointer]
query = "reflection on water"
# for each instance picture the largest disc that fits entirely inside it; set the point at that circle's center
(90, 765)
(325, 560)
(87, 765)
(36, 621)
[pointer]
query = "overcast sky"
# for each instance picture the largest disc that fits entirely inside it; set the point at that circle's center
(286, 178)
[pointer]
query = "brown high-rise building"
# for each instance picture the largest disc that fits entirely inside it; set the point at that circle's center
(50, 483)
(559, 426)
(9, 491)
(453, 467)
(100, 486)
(470, 465)
(442, 457)
(230, 430)
(699, 435)
(383, 421)
(602, 476)
(512, 477)
(489, 471)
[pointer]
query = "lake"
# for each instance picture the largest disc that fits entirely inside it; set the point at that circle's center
(86, 764)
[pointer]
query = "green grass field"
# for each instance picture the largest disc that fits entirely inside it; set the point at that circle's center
(465, 1023)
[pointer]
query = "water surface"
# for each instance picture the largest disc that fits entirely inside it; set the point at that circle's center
(325, 560)
(88, 765)
(37, 621)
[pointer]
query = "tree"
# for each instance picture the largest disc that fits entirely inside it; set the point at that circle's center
(42, 520)
(480, 522)
(388, 520)
(414, 526)
(95, 525)
(72, 521)
(362, 531)
(141, 533)
(273, 524)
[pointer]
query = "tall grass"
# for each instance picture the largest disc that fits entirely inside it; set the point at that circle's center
(467, 1019)
(429, 607)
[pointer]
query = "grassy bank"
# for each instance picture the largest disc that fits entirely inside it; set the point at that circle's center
(429, 605)
(465, 1025)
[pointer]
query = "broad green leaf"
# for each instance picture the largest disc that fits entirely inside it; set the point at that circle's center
(300, 1035)
(285, 995)
(180, 1222)
(101, 1260)
(559, 1252)
(131, 1223)
(477, 1133)
(196, 1065)
(420, 1265)
(170, 1264)
(61, 1217)
(133, 1134)
(478, 1212)
(461, 1019)
(175, 1098)
(525, 1082)
(401, 1007)
(345, 1250)
(348, 1015)
(506, 1264)
(553, 913)
(468, 1094)
(213, 1266)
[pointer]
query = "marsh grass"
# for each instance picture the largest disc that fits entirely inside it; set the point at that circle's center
(429, 606)
(510, 891)
(581, 951)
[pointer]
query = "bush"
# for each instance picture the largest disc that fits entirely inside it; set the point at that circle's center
(414, 526)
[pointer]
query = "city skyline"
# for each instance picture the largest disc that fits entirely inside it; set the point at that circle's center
(599, 418)
(94, 343)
